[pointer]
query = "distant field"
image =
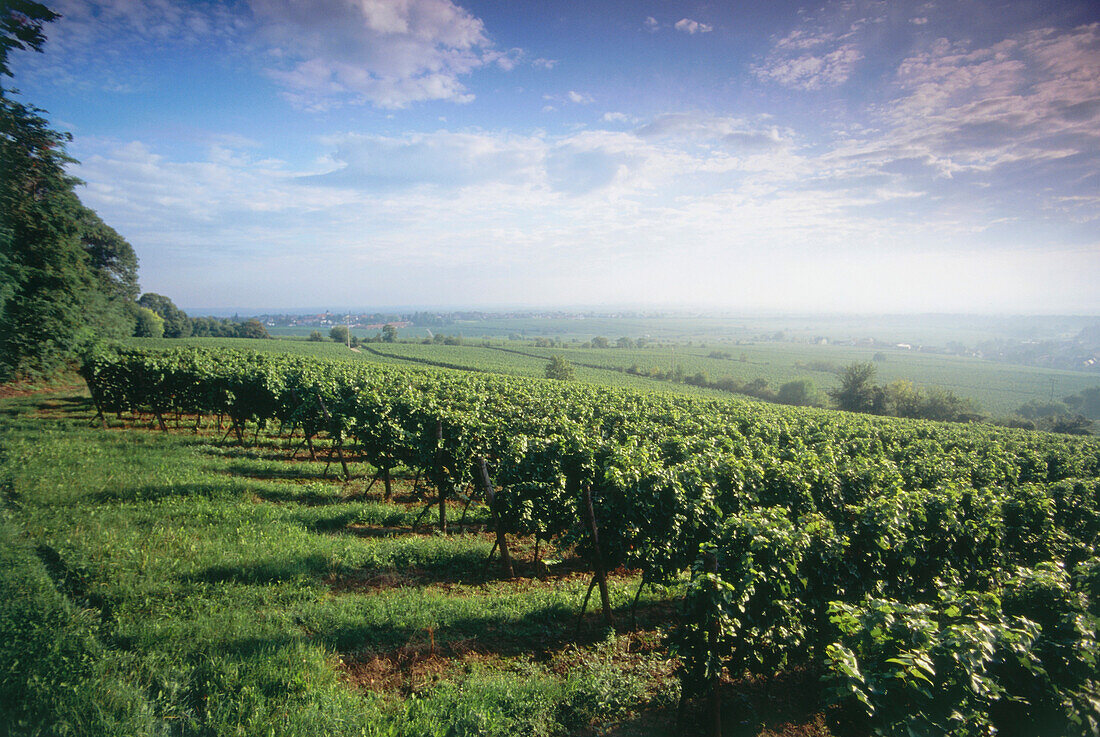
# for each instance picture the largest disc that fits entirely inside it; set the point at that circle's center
(999, 388)
(511, 362)
(936, 330)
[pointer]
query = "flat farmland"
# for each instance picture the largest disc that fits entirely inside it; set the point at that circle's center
(1000, 388)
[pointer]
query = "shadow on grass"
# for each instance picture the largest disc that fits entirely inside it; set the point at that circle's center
(286, 471)
(307, 495)
(401, 566)
(348, 519)
(788, 704)
(72, 583)
(72, 403)
(206, 490)
(538, 634)
(312, 567)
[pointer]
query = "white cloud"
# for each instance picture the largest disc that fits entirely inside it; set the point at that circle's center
(681, 209)
(572, 97)
(825, 49)
(716, 130)
(505, 60)
(390, 54)
(1029, 97)
(443, 159)
(651, 24)
(686, 25)
(613, 117)
(811, 71)
(84, 46)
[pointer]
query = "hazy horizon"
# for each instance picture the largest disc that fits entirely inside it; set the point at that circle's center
(843, 158)
(684, 311)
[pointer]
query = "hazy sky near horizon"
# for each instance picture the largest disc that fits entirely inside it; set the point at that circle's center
(844, 156)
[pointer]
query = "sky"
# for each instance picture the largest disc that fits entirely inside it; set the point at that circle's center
(827, 157)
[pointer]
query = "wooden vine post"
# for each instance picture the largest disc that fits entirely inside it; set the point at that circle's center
(337, 444)
(710, 561)
(597, 559)
(442, 475)
(502, 541)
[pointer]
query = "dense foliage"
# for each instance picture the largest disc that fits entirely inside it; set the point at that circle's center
(945, 577)
(65, 276)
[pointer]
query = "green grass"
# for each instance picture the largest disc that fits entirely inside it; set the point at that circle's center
(162, 583)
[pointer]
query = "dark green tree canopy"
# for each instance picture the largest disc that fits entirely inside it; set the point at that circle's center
(148, 323)
(112, 258)
(21, 28)
(176, 322)
(65, 277)
(252, 329)
(857, 391)
(339, 333)
(560, 369)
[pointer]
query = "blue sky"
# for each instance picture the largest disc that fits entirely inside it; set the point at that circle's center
(845, 156)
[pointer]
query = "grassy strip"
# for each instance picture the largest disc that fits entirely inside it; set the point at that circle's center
(56, 677)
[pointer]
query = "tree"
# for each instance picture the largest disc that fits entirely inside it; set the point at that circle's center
(112, 258)
(389, 333)
(252, 329)
(148, 323)
(624, 342)
(946, 406)
(21, 28)
(176, 322)
(600, 342)
(560, 369)
(857, 391)
(316, 336)
(65, 277)
(1075, 425)
(1087, 402)
(339, 333)
(903, 398)
(212, 327)
(800, 392)
(1037, 409)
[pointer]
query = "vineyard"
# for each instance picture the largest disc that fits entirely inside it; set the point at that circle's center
(999, 388)
(943, 579)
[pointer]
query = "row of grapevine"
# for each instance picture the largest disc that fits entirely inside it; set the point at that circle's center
(944, 576)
